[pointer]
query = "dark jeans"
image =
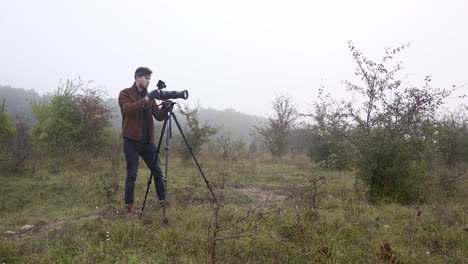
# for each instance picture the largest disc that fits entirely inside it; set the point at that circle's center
(133, 150)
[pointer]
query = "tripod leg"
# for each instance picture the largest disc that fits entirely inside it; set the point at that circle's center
(166, 164)
(154, 164)
(194, 158)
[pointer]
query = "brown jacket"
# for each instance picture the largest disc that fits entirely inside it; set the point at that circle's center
(132, 104)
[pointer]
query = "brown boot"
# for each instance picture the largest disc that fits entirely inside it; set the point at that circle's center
(129, 211)
(168, 204)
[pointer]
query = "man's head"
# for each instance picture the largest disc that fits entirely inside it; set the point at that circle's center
(143, 77)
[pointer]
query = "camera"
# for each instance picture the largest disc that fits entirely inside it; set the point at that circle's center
(166, 95)
(161, 85)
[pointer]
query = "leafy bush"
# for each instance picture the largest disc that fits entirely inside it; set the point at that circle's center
(451, 137)
(75, 116)
(7, 128)
(7, 134)
(328, 144)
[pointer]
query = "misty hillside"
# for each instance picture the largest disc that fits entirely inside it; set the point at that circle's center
(18, 102)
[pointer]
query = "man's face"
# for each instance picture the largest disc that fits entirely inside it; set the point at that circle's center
(143, 81)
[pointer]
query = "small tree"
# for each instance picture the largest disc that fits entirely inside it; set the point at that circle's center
(196, 136)
(327, 137)
(275, 133)
(387, 129)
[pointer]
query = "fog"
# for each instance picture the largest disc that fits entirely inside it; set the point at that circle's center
(229, 54)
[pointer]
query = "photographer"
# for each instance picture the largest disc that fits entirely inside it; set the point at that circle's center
(138, 107)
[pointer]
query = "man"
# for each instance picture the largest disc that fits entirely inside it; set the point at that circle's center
(138, 107)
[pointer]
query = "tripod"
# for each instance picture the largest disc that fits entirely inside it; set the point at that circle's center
(167, 125)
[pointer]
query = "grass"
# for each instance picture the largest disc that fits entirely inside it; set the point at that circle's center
(346, 228)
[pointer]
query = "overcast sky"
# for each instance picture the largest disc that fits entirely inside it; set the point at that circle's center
(229, 54)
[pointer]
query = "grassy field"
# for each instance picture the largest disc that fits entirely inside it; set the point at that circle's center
(72, 214)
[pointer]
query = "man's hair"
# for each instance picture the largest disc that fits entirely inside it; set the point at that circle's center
(143, 71)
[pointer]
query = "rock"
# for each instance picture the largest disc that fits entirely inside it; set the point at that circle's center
(26, 227)
(10, 232)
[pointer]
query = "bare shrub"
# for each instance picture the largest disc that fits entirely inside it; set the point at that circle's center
(243, 226)
(313, 191)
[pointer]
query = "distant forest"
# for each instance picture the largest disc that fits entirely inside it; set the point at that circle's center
(18, 103)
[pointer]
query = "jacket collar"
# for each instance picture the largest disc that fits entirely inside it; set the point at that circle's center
(143, 93)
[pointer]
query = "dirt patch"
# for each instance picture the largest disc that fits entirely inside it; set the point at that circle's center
(43, 228)
(261, 195)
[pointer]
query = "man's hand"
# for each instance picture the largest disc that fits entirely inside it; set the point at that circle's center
(153, 95)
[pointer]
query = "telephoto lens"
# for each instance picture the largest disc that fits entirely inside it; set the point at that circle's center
(166, 95)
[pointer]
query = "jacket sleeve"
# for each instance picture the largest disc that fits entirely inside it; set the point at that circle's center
(158, 113)
(127, 105)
